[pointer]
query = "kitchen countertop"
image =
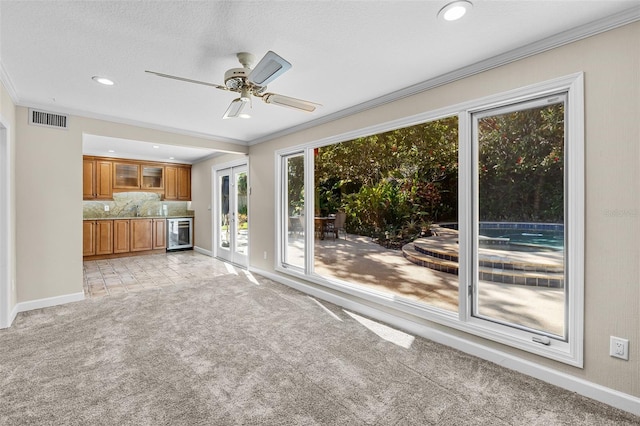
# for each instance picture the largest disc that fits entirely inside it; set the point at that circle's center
(138, 217)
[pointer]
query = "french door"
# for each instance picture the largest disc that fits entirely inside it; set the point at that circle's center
(231, 217)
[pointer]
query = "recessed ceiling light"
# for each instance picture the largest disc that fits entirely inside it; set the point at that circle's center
(171, 158)
(454, 10)
(244, 115)
(156, 146)
(102, 80)
(111, 150)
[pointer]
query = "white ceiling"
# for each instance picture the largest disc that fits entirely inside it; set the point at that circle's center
(103, 146)
(344, 53)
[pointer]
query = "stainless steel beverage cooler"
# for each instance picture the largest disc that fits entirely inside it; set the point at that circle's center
(179, 233)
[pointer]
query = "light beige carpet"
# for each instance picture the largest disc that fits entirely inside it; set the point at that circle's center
(229, 351)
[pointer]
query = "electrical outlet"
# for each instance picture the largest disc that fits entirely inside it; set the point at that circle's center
(265, 255)
(106, 207)
(619, 348)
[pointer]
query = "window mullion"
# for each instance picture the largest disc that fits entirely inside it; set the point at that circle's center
(465, 218)
(309, 203)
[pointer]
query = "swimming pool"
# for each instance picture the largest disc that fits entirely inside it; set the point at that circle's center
(523, 238)
(544, 239)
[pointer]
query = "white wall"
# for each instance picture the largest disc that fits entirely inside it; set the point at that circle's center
(8, 117)
(611, 65)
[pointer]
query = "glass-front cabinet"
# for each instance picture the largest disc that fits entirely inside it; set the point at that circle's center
(152, 177)
(126, 176)
(138, 176)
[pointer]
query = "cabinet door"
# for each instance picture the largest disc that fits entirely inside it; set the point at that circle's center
(141, 234)
(159, 234)
(170, 183)
(88, 180)
(184, 183)
(88, 237)
(103, 179)
(121, 236)
(104, 236)
(152, 177)
(126, 176)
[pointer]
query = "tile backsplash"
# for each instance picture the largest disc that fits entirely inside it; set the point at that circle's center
(132, 204)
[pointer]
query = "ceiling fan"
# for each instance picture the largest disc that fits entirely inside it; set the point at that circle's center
(248, 82)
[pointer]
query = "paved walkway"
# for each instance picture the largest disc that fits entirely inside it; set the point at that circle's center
(359, 260)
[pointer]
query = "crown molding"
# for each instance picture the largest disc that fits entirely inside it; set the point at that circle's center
(566, 37)
(8, 84)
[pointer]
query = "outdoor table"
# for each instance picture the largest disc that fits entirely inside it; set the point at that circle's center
(324, 224)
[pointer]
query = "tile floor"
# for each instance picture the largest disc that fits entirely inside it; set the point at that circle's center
(136, 273)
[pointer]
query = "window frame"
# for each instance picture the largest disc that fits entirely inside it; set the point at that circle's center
(570, 352)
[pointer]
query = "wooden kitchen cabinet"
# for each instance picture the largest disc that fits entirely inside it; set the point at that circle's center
(88, 237)
(126, 176)
(170, 183)
(117, 237)
(184, 183)
(141, 234)
(104, 237)
(159, 234)
(97, 237)
(121, 237)
(102, 176)
(135, 175)
(177, 183)
(96, 179)
(151, 177)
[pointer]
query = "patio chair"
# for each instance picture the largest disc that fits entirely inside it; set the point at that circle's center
(295, 225)
(338, 225)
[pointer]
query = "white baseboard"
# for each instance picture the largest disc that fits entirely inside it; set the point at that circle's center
(10, 318)
(12, 315)
(566, 381)
(203, 251)
(49, 301)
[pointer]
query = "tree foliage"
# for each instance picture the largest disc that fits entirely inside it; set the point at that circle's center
(385, 180)
(521, 165)
(393, 181)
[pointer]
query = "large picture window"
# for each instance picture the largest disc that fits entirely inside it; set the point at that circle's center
(376, 202)
(471, 217)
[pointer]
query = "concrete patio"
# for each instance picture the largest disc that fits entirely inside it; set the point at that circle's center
(359, 260)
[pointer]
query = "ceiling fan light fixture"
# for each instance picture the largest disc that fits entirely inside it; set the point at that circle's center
(270, 67)
(102, 80)
(454, 10)
(235, 108)
(245, 94)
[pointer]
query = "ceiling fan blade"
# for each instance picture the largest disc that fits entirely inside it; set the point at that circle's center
(188, 80)
(289, 102)
(235, 108)
(270, 67)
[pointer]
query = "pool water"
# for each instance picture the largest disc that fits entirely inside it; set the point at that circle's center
(530, 238)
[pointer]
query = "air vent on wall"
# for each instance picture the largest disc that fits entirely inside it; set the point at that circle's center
(47, 119)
